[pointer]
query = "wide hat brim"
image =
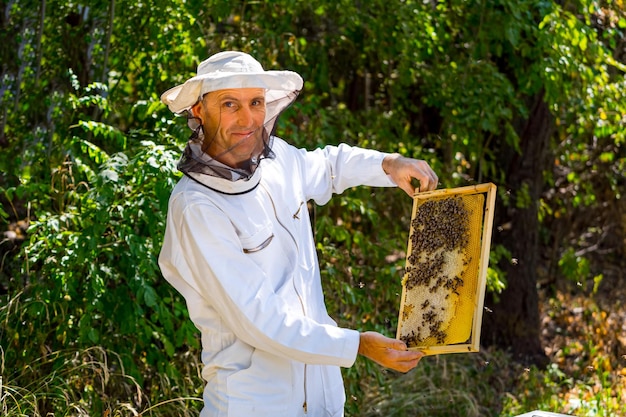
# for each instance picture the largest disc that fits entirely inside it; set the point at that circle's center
(278, 85)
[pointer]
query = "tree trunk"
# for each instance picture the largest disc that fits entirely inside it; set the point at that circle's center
(513, 322)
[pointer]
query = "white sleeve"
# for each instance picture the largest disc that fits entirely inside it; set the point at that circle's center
(333, 169)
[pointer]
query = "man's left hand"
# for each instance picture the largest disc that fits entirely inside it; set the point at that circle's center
(403, 170)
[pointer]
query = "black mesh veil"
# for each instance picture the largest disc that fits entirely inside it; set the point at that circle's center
(194, 160)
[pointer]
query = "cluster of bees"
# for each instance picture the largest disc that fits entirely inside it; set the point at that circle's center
(441, 223)
(440, 228)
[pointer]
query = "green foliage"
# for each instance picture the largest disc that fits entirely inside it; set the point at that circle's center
(585, 87)
(99, 257)
(496, 279)
(90, 269)
(574, 267)
(577, 269)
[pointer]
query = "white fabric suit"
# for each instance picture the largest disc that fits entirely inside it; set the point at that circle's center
(243, 256)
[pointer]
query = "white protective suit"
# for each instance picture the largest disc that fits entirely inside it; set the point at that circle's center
(243, 256)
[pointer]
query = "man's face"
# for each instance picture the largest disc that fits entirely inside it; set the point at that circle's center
(233, 124)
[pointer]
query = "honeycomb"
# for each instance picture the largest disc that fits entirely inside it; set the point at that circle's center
(443, 284)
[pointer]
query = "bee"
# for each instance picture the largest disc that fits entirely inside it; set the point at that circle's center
(440, 336)
(458, 282)
(411, 339)
(429, 316)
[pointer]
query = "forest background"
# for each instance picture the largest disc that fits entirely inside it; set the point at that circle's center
(528, 94)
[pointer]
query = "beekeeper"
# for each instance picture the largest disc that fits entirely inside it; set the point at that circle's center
(239, 245)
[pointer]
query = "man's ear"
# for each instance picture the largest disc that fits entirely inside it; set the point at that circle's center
(195, 110)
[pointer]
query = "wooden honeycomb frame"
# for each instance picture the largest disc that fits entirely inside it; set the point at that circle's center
(443, 287)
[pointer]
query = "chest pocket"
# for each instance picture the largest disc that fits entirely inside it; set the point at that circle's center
(257, 241)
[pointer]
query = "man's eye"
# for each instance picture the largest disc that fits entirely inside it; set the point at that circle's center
(229, 104)
(257, 103)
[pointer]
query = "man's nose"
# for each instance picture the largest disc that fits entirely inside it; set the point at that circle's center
(245, 116)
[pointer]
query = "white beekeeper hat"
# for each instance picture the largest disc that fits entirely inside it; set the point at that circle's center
(233, 69)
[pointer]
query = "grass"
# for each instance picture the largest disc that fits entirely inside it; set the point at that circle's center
(89, 383)
(446, 385)
(583, 336)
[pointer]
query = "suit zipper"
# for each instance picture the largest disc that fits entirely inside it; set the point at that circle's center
(295, 242)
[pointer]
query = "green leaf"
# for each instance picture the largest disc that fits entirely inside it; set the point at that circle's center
(150, 296)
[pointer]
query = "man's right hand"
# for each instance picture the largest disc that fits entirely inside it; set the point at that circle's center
(388, 352)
